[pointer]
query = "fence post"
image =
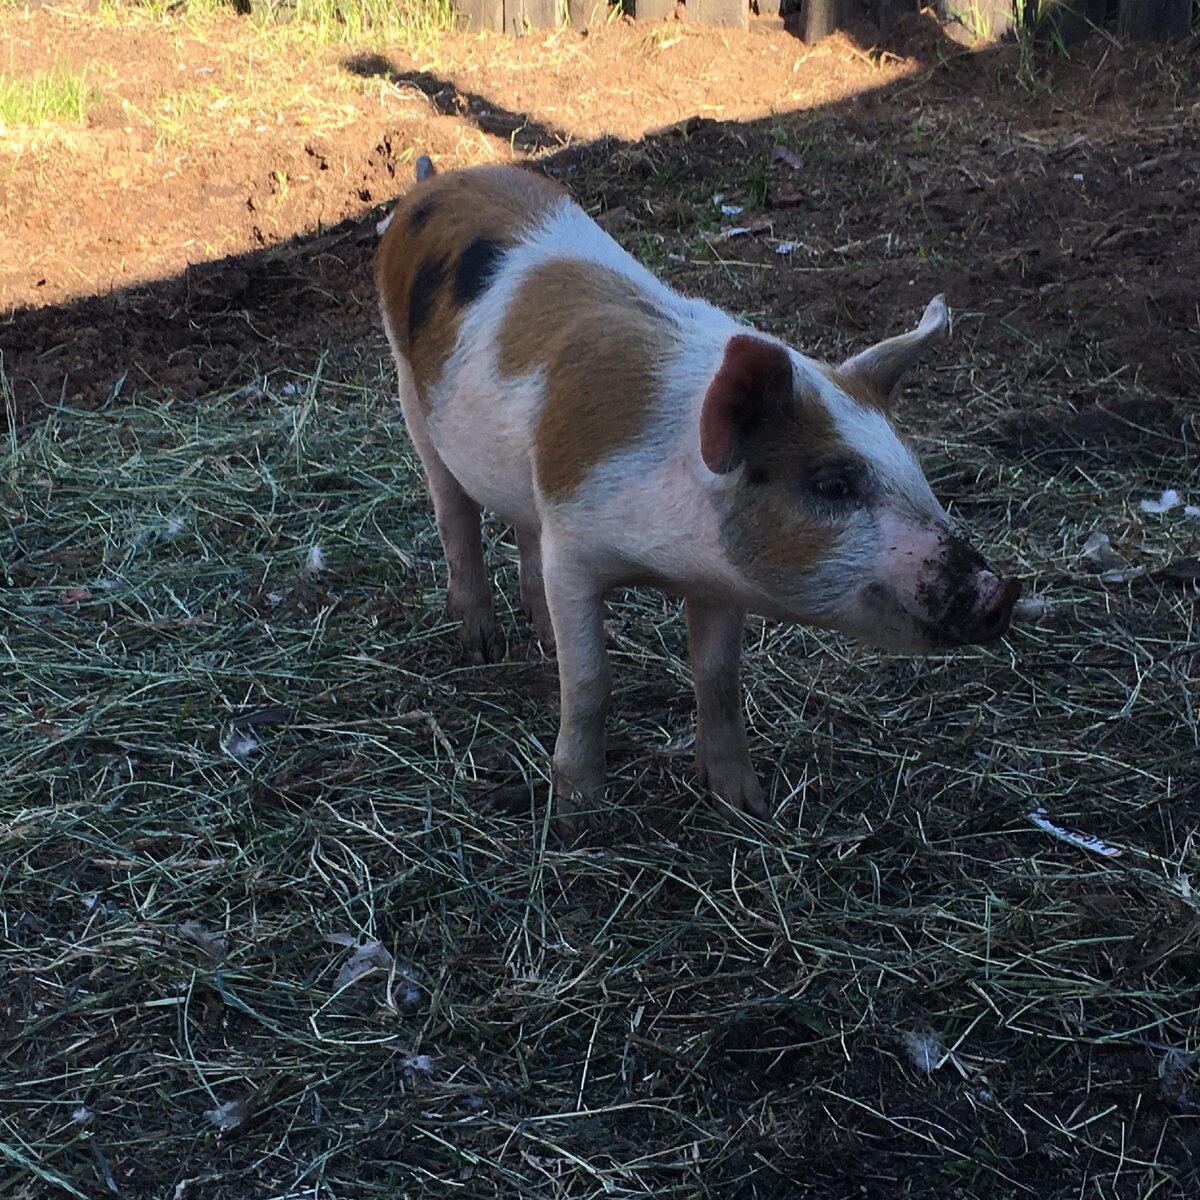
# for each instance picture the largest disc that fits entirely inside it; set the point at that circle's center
(983, 19)
(582, 14)
(731, 14)
(650, 10)
(520, 15)
(478, 15)
(818, 19)
(1155, 20)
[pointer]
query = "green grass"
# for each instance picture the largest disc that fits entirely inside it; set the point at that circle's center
(358, 22)
(164, 9)
(59, 94)
(280, 912)
(369, 20)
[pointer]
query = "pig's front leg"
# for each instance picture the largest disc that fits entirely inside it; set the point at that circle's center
(575, 599)
(722, 753)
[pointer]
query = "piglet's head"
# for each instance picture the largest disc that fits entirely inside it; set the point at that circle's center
(825, 511)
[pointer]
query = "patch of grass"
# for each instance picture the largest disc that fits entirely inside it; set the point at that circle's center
(161, 10)
(756, 185)
(281, 912)
(661, 37)
(975, 18)
(59, 94)
(359, 22)
(174, 114)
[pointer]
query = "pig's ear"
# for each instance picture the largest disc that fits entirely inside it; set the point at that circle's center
(881, 367)
(753, 383)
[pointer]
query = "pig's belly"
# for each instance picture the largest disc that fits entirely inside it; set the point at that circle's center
(486, 445)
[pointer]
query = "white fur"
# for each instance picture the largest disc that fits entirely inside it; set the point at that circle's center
(492, 457)
(870, 433)
(651, 512)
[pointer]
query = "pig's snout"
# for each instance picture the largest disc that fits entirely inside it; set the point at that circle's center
(992, 614)
(931, 590)
(967, 602)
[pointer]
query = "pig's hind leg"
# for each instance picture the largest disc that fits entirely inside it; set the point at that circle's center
(722, 752)
(468, 593)
(533, 587)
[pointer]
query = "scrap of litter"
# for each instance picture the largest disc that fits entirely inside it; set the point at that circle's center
(1085, 840)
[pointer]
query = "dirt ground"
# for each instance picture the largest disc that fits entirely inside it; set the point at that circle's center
(251, 178)
(216, 215)
(189, 338)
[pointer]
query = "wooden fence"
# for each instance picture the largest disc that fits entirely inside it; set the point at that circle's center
(1071, 20)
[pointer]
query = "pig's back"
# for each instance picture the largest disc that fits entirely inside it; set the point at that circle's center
(541, 351)
(440, 251)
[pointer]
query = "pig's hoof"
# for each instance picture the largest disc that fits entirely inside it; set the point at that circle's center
(538, 616)
(736, 785)
(544, 632)
(571, 820)
(480, 641)
(574, 809)
(572, 829)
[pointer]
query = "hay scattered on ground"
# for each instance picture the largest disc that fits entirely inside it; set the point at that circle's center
(282, 914)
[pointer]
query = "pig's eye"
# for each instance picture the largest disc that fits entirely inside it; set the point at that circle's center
(835, 485)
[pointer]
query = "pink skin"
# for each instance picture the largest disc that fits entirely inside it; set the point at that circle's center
(898, 576)
(928, 590)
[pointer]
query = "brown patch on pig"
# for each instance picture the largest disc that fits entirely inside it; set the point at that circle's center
(858, 389)
(445, 238)
(597, 337)
(770, 529)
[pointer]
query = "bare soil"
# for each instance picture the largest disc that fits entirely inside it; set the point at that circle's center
(219, 206)
(216, 217)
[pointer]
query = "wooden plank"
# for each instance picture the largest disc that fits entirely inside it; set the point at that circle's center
(520, 15)
(475, 16)
(728, 14)
(651, 10)
(1155, 20)
(982, 19)
(818, 19)
(583, 14)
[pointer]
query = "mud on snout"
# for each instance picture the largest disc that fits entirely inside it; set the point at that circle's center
(937, 600)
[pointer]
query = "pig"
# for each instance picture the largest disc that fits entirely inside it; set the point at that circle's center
(633, 436)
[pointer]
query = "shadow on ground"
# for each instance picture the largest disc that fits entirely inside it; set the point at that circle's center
(1061, 242)
(519, 129)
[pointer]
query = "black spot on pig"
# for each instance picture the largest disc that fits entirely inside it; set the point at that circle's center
(419, 214)
(475, 269)
(427, 282)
